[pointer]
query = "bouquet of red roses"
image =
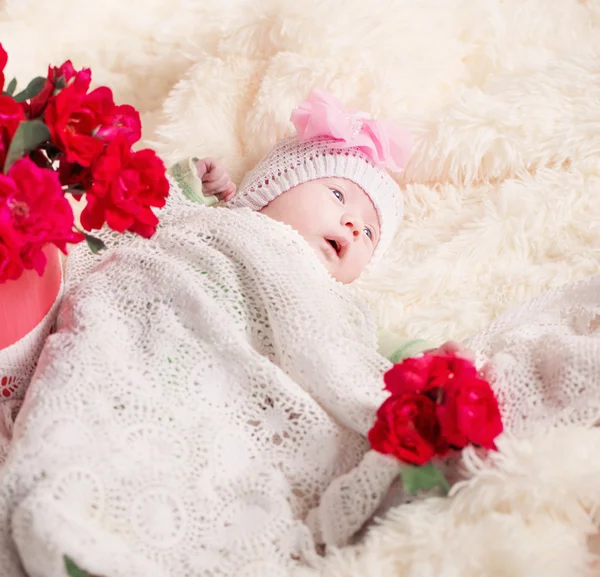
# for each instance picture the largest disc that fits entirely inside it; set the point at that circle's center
(437, 404)
(57, 137)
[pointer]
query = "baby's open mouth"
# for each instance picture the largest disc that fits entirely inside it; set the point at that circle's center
(336, 245)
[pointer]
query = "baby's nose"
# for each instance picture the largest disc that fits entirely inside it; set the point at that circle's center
(354, 223)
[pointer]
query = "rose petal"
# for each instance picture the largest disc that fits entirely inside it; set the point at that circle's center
(409, 376)
(407, 428)
(126, 185)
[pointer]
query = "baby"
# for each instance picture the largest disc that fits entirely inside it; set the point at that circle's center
(342, 202)
(355, 200)
(338, 195)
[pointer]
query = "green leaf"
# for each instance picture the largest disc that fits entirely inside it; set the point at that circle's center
(10, 89)
(59, 84)
(72, 569)
(95, 244)
(30, 134)
(33, 89)
(424, 478)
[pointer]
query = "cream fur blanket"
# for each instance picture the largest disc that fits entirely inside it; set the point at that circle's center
(502, 192)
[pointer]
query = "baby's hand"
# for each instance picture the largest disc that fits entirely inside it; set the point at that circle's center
(454, 348)
(215, 179)
(486, 372)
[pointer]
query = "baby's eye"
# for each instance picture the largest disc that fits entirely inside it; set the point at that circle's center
(369, 233)
(338, 194)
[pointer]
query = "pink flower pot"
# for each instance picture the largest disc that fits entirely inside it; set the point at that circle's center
(28, 307)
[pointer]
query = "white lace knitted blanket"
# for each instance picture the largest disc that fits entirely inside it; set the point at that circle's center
(545, 359)
(202, 392)
(208, 388)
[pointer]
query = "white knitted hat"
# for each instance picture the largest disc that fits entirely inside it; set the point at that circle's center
(292, 162)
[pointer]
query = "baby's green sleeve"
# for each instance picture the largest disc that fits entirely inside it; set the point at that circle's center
(396, 348)
(186, 177)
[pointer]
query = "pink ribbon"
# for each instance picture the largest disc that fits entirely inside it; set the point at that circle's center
(384, 142)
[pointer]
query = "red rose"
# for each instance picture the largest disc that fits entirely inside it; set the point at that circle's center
(33, 213)
(3, 61)
(64, 74)
(125, 185)
(73, 116)
(81, 124)
(11, 115)
(406, 428)
(470, 414)
(426, 373)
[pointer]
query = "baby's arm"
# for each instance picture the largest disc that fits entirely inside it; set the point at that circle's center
(353, 499)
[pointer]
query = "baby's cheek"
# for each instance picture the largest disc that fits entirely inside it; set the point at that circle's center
(354, 264)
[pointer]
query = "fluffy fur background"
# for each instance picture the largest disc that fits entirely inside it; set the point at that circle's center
(502, 192)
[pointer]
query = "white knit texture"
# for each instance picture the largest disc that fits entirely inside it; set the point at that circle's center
(198, 399)
(545, 359)
(292, 162)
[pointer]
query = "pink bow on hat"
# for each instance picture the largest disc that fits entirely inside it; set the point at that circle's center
(384, 142)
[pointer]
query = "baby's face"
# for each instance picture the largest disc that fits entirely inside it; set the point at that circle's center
(336, 218)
